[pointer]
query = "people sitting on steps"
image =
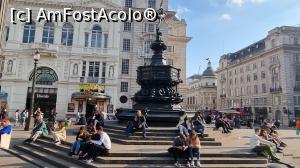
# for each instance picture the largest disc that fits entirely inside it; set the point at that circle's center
(98, 145)
(179, 149)
(81, 139)
(138, 123)
(6, 127)
(82, 120)
(198, 124)
(38, 130)
(220, 122)
(265, 134)
(60, 134)
(184, 125)
(96, 121)
(275, 134)
(194, 150)
(262, 147)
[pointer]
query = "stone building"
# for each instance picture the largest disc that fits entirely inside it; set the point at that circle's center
(83, 66)
(3, 4)
(202, 91)
(263, 78)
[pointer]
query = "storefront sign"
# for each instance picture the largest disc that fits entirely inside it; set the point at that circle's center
(71, 107)
(92, 87)
(42, 96)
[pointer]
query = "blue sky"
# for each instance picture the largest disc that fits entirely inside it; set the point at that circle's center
(223, 26)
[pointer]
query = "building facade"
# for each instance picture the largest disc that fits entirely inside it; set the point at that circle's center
(83, 66)
(3, 5)
(262, 79)
(202, 91)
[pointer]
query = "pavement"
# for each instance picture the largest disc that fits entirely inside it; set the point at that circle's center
(236, 142)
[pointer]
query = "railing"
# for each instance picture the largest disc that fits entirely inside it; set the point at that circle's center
(275, 90)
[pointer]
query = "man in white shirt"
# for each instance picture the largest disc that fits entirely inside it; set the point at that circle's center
(98, 146)
(262, 146)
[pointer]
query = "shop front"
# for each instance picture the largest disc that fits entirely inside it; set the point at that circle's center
(90, 99)
(261, 113)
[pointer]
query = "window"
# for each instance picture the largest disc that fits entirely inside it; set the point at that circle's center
(86, 39)
(230, 73)
(149, 27)
(230, 81)
(296, 40)
(242, 79)
(170, 62)
(67, 34)
(83, 68)
(152, 4)
(254, 66)
(94, 69)
(235, 81)
(147, 46)
(127, 26)
(255, 76)
(263, 75)
(170, 48)
(105, 41)
(273, 43)
(7, 33)
(296, 57)
(297, 100)
(248, 90)
(126, 45)
(235, 71)
(264, 88)
(125, 66)
(124, 86)
(96, 37)
(255, 89)
(297, 75)
(48, 33)
(103, 72)
(128, 3)
(29, 32)
(248, 78)
(247, 68)
(241, 70)
(262, 63)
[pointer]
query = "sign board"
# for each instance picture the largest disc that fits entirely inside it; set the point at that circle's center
(71, 107)
(92, 87)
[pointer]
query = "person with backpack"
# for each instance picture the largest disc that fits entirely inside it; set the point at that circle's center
(24, 116)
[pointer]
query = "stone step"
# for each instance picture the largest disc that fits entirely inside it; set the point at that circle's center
(169, 160)
(149, 133)
(150, 129)
(58, 157)
(44, 154)
(153, 138)
(30, 159)
(151, 142)
(66, 148)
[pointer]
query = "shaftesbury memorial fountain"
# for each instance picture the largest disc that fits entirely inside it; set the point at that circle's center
(158, 95)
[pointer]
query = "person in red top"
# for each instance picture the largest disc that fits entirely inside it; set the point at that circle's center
(298, 127)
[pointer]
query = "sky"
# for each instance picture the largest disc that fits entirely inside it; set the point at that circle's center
(218, 27)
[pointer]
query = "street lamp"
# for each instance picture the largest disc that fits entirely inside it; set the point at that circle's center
(36, 58)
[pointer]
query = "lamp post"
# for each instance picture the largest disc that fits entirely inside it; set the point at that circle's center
(36, 58)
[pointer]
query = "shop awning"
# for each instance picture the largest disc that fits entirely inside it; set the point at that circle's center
(89, 95)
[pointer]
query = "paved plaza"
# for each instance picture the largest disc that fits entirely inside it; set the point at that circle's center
(236, 142)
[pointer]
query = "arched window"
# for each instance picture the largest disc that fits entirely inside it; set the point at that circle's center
(29, 32)
(67, 34)
(48, 33)
(96, 37)
(44, 76)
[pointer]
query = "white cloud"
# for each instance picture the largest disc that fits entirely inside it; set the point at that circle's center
(226, 17)
(240, 3)
(181, 11)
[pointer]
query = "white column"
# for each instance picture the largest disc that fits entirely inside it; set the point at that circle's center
(38, 32)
